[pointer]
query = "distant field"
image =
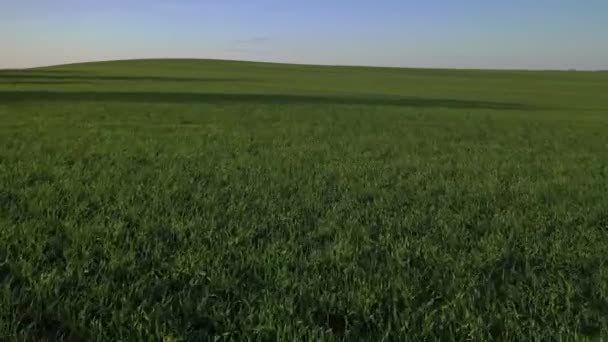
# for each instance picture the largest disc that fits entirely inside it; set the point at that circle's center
(195, 200)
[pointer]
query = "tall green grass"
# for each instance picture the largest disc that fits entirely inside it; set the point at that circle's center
(202, 200)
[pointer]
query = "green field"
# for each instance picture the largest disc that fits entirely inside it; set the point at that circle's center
(201, 200)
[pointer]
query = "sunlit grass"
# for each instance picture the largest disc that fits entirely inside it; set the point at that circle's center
(348, 204)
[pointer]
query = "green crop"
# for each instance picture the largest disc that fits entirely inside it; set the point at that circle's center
(216, 200)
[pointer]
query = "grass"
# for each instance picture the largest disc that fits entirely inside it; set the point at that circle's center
(202, 200)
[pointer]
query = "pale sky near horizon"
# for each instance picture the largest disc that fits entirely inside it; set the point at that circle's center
(520, 34)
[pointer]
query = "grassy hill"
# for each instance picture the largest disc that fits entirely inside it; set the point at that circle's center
(194, 199)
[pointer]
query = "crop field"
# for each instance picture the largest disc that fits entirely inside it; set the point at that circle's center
(186, 200)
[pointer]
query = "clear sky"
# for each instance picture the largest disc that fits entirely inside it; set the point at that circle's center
(531, 34)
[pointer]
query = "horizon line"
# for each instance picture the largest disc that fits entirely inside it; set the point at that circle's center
(302, 64)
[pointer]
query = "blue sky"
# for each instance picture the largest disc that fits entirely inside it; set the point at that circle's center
(539, 34)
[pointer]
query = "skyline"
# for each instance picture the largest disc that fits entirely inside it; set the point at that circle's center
(557, 34)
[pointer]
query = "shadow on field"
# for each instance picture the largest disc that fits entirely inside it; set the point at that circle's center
(37, 82)
(239, 98)
(46, 76)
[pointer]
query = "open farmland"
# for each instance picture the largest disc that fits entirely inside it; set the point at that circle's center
(202, 199)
